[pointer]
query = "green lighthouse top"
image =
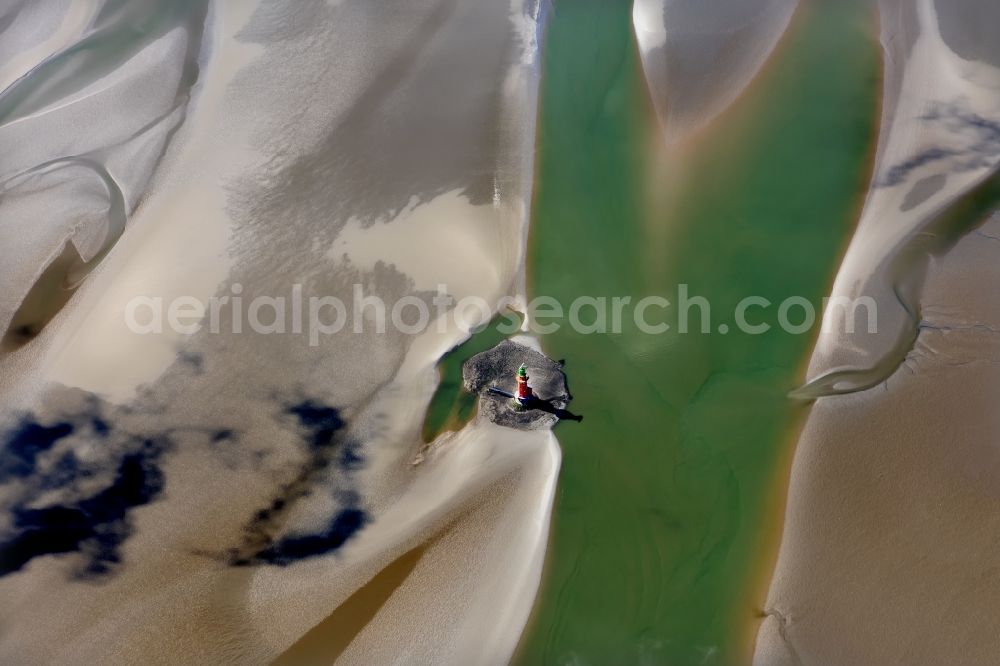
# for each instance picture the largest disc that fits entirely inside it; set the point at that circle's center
(522, 371)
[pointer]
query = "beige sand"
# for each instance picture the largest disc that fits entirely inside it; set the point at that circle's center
(699, 56)
(889, 554)
(317, 151)
(889, 547)
(932, 150)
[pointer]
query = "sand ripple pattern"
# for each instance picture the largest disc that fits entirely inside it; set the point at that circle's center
(88, 110)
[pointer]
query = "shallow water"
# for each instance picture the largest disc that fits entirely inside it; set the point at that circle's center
(665, 518)
(452, 407)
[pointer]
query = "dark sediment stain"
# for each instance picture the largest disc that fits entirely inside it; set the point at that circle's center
(658, 530)
(60, 503)
(290, 549)
(981, 147)
(320, 427)
(95, 524)
(193, 360)
(26, 443)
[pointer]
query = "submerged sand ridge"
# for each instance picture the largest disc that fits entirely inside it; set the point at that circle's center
(698, 56)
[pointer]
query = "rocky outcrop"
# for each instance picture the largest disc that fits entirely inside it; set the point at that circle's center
(497, 367)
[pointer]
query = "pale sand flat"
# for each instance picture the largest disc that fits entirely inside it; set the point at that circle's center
(888, 553)
(699, 56)
(314, 129)
(933, 149)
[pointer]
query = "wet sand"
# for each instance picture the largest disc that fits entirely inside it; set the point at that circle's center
(887, 555)
(232, 490)
(257, 498)
(699, 57)
(892, 502)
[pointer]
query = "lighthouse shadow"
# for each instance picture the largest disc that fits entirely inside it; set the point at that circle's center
(550, 407)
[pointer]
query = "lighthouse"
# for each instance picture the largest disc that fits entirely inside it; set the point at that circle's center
(523, 394)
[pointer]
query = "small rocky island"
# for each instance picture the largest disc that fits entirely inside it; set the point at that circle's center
(497, 368)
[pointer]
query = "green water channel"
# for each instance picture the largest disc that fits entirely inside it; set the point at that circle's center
(670, 496)
(669, 500)
(452, 406)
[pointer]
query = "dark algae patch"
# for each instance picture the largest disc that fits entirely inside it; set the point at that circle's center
(665, 516)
